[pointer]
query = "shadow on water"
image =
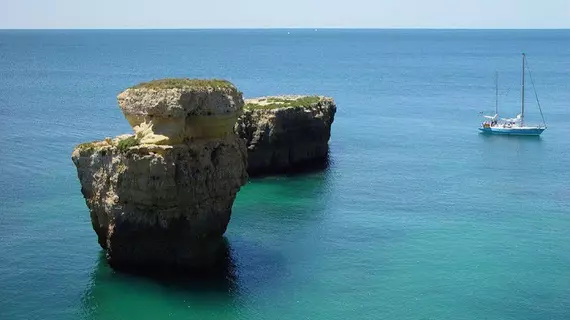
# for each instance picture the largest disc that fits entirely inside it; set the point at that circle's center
(523, 144)
(506, 137)
(243, 268)
(307, 167)
(220, 277)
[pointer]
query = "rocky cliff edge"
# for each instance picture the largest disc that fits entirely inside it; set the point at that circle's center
(286, 133)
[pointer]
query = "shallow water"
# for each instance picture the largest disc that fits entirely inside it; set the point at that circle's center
(417, 217)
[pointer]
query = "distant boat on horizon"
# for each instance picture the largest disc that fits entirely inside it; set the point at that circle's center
(513, 126)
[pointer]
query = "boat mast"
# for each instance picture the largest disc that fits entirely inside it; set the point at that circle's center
(522, 105)
(496, 93)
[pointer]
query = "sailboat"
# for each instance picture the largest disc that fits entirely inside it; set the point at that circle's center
(513, 126)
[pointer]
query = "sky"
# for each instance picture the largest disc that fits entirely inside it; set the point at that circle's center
(176, 14)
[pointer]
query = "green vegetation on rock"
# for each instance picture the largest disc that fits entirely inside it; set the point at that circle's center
(87, 146)
(184, 83)
(125, 144)
(283, 102)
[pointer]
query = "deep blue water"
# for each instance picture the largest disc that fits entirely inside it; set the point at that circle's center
(418, 216)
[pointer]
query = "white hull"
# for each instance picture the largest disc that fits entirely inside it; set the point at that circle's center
(516, 131)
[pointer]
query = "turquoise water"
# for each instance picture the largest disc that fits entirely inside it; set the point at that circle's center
(417, 217)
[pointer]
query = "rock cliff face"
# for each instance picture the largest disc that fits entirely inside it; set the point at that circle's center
(163, 197)
(171, 111)
(286, 133)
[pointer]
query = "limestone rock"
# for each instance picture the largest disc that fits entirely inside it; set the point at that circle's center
(156, 205)
(170, 111)
(286, 133)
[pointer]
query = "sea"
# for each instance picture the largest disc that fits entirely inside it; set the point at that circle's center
(418, 216)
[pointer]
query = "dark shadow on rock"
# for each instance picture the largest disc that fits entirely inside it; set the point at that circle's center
(147, 247)
(217, 277)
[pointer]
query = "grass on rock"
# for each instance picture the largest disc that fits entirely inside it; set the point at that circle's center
(87, 146)
(125, 144)
(173, 83)
(276, 102)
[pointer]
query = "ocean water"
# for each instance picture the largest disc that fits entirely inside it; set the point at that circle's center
(417, 217)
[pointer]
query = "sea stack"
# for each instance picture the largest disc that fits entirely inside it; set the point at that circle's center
(286, 133)
(162, 197)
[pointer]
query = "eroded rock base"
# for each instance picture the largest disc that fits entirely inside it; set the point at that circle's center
(156, 206)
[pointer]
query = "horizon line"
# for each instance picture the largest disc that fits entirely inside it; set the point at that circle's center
(280, 28)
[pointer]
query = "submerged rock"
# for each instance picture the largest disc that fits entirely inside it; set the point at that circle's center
(286, 133)
(163, 197)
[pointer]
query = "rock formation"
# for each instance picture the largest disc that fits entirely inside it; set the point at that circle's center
(286, 133)
(163, 196)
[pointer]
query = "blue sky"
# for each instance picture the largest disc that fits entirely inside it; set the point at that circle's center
(284, 14)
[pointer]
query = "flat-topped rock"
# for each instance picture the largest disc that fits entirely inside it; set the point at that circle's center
(286, 133)
(180, 98)
(283, 101)
(172, 110)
